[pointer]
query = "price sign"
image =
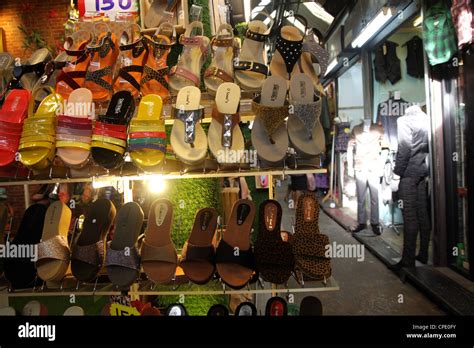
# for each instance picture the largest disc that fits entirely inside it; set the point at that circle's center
(110, 7)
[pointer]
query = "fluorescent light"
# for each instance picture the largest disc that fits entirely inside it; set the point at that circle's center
(247, 10)
(156, 184)
(318, 11)
(268, 20)
(373, 27)
(297, 24)
(331, 66)
(417, 22)
(259, 8)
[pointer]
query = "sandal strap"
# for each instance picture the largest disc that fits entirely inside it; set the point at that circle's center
(92, 254)
(226, 42)
(68, 78)
(249, 34)
(73, 144)
(228, 122)
(290, 51)
(308, 114)
(74, 138)
(272, 118)
(56, 248)
(185, 73)
(125, 71)
(214, 71)
(121, 259)
(165, 253)
(104, 48)
(151, 134)
(97, 75)
(159, 49)
(148, 146)
(322, 56)
(159, 75)
(189, 118)
(310, 244)
(198, 253)
(226, 254)
(194, 41)
(251, 66)
(11, 146)
(113, 127)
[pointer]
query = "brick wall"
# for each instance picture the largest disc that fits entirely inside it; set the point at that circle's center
(46, 16)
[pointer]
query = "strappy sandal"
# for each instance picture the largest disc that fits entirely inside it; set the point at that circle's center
(38, 139)
(309, 245)
(251, 68)
(234, 256)
(269, 134)
(155, 72)
(122, 258)
(195, 50)
(12, 116)
(314, 53)
(273, 256)
(304, 127)
(29, 73)
(147, 138)
(73, 144)
(225, 137)
(53, 250)
(221, 69)
(103, 52)
(158, 253)
(74, 72)
(88, 250)
(109, 137)
(188, 139)
(198, 255)
(133, 54)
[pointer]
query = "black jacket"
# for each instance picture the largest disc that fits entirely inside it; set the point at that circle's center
(387, 66)
(415, 61)
(413, 148)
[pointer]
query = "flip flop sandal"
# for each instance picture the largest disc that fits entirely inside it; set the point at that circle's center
(234, 257)
(311, 306)
(188, 139)
(225, 137)
(34, 309)
(176, 310)
(74, 144)
(158, 253)
(274, 257)
(74, 311)
(198, 255)
(29, 73)
(147, 137)
(246, 309)
(195, 50)
(12, 116)
(109, 137)
(314, 54)
(88, 250)
(132, 57)
(289, 46)
(122, 257)
(154, 16)
(269, 133)
(251, 69)
(304, 127)
(155, 72)
(221, 69)
(218, 310)
(21, 272)
(103, 51)
(53, 250)
(37, 143)
(73, 74)
(309, 246)
(276, 307)
(6, 72)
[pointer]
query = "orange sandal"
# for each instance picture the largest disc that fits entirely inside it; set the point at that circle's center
(103, 51)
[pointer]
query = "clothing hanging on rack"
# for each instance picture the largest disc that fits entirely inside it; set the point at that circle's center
(386, 63)
(415, 57)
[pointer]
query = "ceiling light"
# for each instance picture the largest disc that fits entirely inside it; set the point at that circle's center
(268, 20)
(318, 11)
(373, 27)
(417, 22)
(331, 66)
(247, 10)
(259, 8)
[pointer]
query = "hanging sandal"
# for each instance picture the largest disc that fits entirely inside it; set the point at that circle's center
(74, 144)
(74, 72)
(154, 16)
(234, 257)
(314, 54)
(309, 245)
(147, 138)
(155, 72)
(225, 137)
(197, 260)
(37, 143)
(133, 54)
(29, 73)
(88, 250)
(221, 69)
(289, 45)
(103, 51)
(273, 256)
(269, 134)
(188, 139)
(53, 250)
(304, 127)
(251, 68)
(195, 50)
(109, 139)
(122, 258)
(158, 253)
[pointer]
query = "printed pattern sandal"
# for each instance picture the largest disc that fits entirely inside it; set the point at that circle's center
(314, 53)
(197, 260)
(147, 138)
(195, 50)
(122, 258)
(309, 246)
(273, 256)
(221, 69)
(12, 116)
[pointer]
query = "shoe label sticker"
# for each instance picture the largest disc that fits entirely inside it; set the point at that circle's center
(309, 209)
(270, 216)
(205, 220)
(160, 213)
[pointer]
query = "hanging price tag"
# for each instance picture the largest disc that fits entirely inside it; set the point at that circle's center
(110, 7)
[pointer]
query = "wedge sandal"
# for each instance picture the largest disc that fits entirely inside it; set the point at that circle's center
(198, 255)
(273, 256)
(234, 256)
(158, 253)
(122, 257)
